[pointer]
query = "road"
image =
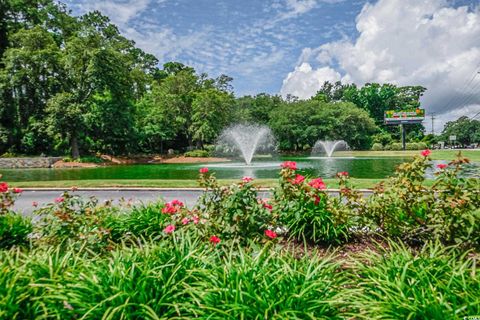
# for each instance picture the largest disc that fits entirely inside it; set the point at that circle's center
(24, 203)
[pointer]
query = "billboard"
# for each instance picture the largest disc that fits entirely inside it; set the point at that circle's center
(404, 116)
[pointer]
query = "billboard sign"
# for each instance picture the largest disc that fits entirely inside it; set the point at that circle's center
(404, 116)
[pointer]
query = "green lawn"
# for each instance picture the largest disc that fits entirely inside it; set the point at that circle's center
(152, 183)
(473, 155)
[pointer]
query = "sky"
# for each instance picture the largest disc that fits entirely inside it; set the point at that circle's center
(293, 46)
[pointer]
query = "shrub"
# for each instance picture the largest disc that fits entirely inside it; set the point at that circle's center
(14, 230)
(234, 212)
(412, 146)
(197, 154)
(396, 146)
(72, 221)
(307, 211)
(396, 283)
(377, 147)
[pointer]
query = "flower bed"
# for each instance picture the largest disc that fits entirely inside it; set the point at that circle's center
(235, 255)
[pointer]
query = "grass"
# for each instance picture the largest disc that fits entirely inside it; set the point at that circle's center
(158, 183)
(473, 155)
(185, 280)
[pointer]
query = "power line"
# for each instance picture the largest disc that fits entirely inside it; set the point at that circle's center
(465, 86)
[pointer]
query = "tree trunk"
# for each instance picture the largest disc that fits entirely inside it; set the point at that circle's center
(74, 145)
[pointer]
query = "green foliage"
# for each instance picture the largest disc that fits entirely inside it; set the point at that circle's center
(448, 210)
(74, 222)
(396, 146)
(308, 213)
(377, 147)
(235, 212)
(14, 230)
(302, 123)
(465, 129)
(436, 283)
(197, 154)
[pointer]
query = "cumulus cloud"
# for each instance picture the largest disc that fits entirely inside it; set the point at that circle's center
(406, 42)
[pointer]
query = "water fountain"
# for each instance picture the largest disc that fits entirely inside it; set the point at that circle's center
(329, 146)
(246, 139)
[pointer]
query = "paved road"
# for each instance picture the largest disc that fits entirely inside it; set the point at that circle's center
(43, 197)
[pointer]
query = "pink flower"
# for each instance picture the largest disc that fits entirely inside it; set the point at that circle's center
(195, 219)
(426, 152)
(342, 174)
(172, 207)
(317, 184)
(169, 229)
(176, 202)
(35, 204)
(59, 200)
(298, 179)
(203, 170)
(271, 234)
(442, 166)
(292, 165)
(247, 179)
(17, 190)
(185, 221)
(215, 240)
(3, 187)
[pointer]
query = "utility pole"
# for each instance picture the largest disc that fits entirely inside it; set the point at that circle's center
(433, 118)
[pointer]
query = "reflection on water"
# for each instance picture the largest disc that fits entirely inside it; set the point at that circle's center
(266, 168)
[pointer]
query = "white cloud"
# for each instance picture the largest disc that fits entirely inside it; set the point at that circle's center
(305, 81)
(406, 42)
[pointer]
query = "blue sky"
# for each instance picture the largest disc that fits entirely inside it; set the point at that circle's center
(293, 46)
(255, 42)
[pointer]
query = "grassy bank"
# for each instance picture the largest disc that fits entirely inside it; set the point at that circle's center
(473, 155)
(157, 183)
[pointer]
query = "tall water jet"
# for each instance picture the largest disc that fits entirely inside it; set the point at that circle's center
(329, 146)
(246, 139)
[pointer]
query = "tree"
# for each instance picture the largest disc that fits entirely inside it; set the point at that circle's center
(466, 130)
(299, 125)
(210, 114)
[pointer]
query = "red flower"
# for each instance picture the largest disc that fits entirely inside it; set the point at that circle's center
(203, 170)
(17, 190)
(35, 204)
(247, 179)
(426, 152)
(59, 200)
(342, 174)
(215, 240)
(176, 202)
(265, 204)
(172, 207)
(195, 219)
(169, 229)
(317, 199)
(317, 183)
(442, 166)
(271, 234)
(3, 187)
(298, 179)
(185, 221)
(292, 165)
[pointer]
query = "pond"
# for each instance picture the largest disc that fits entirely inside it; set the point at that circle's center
(260, 168)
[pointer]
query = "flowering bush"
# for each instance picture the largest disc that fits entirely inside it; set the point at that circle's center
(307, 211)
(235, 212)
(74, 222)
(404, 207)
(7, 197)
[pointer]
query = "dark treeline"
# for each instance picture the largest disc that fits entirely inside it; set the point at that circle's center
(76, 85)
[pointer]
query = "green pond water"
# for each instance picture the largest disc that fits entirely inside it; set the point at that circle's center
(260, 168)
